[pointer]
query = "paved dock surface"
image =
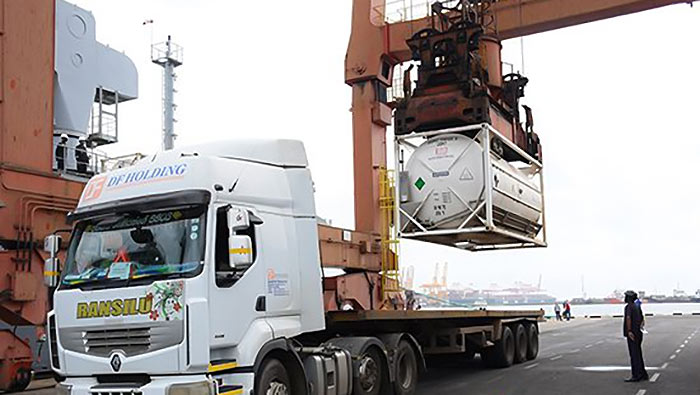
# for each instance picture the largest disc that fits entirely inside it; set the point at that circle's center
(586, 357)
(583, 356)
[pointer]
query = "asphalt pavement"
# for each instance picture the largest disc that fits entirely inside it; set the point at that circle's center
(583, 356)
(586, 356)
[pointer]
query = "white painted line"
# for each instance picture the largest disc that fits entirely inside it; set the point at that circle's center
(599, 342)
(672, 356)
(531, 366)
(575, 351)
(555, 358)
(677, 351)
(654, 377)
(664, 366)
(611, 368)
(682, 345)
(685, 342)
(589, 345)
(641, 392)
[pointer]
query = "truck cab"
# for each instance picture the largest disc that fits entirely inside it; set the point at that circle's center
(190, 261)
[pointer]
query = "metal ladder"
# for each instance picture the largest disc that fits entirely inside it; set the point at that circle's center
(389, 242)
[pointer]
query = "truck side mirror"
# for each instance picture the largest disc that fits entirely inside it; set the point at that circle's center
(240, 251)
(238, 219)
(52, 244)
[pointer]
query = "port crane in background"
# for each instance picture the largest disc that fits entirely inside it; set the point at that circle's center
(378, 46)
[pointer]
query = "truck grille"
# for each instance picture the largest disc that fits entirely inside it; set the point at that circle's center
(131, 341)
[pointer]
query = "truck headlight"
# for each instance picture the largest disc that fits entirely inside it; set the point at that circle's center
(200, 388)
(63, 389)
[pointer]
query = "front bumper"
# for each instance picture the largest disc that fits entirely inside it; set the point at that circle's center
(158, 385)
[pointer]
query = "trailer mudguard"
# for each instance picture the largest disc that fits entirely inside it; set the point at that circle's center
(391, 341)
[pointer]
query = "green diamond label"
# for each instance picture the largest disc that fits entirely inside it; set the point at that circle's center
(419, 183)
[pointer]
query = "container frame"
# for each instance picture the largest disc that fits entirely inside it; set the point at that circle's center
(488, 235)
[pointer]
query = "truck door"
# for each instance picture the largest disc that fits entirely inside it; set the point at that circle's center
(232, 303)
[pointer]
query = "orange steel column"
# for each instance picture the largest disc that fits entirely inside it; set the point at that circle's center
(369, 145)
(368, 69)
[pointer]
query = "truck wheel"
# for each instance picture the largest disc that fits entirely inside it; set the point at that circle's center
(21, 381)
(502, 353)
(520, 343)
(368, 380)
(533, 341)
(406, 370)
(274, 379)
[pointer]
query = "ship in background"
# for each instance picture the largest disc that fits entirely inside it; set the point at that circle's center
(438, 293)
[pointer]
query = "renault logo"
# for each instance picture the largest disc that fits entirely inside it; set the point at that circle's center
(116, 362)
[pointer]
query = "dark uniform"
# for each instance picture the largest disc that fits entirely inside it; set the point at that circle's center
(81, 157)
(632, 330)
(61, 154)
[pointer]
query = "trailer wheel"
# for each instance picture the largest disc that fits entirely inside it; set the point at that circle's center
(406, 370)
(370, 374)
(274, 379)
(502, 353)
(533, 342)
(521, 337)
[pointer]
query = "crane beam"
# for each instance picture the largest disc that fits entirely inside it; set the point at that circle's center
(516, 18)
(371, 39)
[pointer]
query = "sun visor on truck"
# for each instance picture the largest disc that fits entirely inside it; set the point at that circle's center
(143, 203)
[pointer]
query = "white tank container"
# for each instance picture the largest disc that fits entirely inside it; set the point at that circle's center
(445, 177)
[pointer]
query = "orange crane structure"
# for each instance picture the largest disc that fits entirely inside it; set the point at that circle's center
(34, 196)
(50, 78)
(468, 87)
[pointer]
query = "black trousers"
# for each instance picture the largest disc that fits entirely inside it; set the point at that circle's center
(636, 358)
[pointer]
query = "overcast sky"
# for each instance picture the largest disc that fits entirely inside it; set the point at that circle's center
(616, 104)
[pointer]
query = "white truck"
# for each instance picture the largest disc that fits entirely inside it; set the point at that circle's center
(197, 272)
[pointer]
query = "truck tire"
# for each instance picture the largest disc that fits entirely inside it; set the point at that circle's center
(370, 374)
(406, 370)
(21, 381)
(533, 341)
(274, 379)
(521, 343)
(502, 353)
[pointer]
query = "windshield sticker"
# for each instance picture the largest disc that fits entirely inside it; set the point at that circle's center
(120, 270)
(163, 301)
(136, 221)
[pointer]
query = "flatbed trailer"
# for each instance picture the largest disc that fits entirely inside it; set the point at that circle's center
(490, 333)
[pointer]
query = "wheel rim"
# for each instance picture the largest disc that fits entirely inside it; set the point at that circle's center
(522, 344)
(368, 373)
(510, 347)
(277, 388)
(405, 371)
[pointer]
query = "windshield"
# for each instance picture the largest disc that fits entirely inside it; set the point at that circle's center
(133, 246)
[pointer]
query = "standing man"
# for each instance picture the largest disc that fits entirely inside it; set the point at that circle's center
(632, 330)
(81, 156)
(61, 152)
(557, 311)
(567, 310)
